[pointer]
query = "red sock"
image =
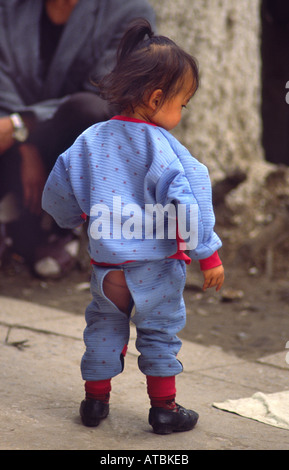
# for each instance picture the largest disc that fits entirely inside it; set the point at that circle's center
(162, 391)
(98, 390)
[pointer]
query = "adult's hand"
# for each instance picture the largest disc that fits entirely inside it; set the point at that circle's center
(6, 134)
(33, 176)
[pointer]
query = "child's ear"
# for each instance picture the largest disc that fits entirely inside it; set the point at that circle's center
(155, 99)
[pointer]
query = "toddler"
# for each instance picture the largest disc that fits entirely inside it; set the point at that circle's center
(148, 204)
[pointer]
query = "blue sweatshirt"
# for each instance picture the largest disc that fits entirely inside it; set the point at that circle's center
(142, 191)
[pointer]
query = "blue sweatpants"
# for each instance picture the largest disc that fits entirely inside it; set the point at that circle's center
(157, 294)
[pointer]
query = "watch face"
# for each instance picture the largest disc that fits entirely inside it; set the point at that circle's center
(21, 134)
(20, 130)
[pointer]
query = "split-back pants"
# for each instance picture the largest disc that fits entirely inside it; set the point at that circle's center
(159, 314)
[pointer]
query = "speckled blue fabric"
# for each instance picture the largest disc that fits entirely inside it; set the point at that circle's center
(159, 314)
(134, 163)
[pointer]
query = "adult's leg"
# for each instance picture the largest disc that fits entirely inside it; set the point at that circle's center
(22, 227)
(76, 114)
(52, 138)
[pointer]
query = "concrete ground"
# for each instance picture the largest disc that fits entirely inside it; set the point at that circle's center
(41, 389)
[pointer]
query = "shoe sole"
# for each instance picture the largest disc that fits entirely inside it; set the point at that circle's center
(167, 428)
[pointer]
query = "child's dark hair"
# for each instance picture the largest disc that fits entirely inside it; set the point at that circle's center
(146, 62)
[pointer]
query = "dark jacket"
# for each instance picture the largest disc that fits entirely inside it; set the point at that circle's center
(86, 50)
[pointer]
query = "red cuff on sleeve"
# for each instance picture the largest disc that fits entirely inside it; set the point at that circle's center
(83, 216)
(212, 262)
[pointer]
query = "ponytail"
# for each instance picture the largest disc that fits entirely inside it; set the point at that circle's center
(138, 30)
(146, 62)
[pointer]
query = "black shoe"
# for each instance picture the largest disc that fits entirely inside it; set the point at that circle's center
(166, 421)
(92, 411)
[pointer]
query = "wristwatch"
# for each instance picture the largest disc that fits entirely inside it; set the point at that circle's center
(20, 132)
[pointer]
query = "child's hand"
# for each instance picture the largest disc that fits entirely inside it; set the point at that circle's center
(214, 277)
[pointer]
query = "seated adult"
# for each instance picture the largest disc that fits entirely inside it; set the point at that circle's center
(50, 51)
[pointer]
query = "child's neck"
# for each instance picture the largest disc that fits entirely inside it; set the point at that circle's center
(138, 113)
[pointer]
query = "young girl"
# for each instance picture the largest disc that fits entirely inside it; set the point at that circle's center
(123, 174)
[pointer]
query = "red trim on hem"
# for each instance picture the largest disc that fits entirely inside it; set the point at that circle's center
(179, 255)
(182, 256)
(110, 264)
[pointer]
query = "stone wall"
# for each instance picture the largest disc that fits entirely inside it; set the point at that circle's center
(222, 125)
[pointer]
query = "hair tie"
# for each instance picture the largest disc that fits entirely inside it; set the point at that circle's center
(150, 33)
